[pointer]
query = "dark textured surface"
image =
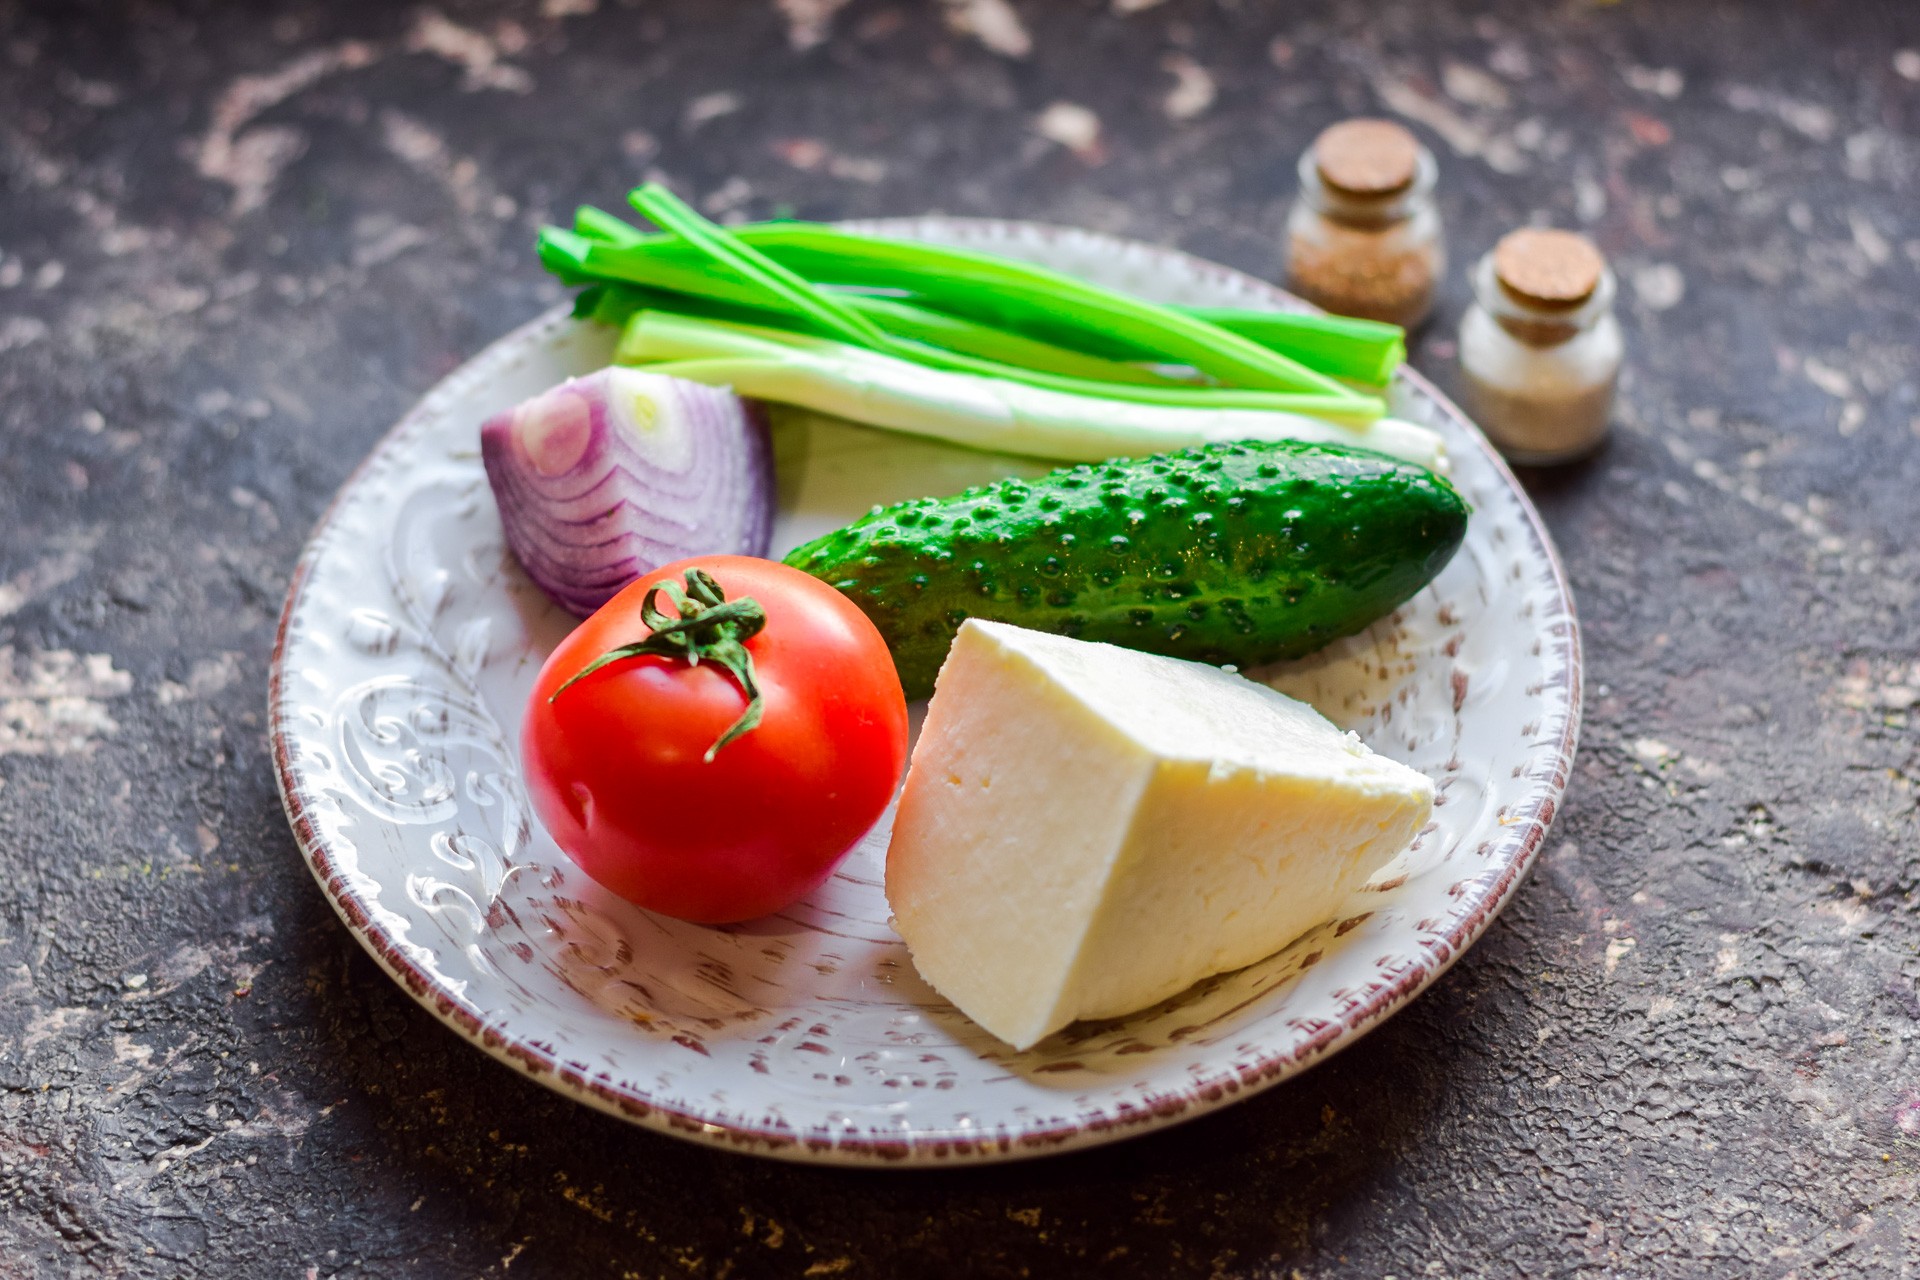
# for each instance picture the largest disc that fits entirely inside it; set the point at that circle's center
(240, 239)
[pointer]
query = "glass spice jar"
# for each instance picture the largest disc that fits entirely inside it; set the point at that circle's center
(1363, 237)
(1540, 348)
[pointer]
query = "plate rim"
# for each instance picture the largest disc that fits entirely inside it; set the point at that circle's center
(1532, 817)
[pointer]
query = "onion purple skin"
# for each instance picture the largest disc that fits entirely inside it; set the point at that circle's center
(605, 478)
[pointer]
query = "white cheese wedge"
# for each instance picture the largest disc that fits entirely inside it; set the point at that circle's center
(1087, 830)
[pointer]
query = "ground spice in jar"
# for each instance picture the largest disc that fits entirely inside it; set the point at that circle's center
(1364, 238)
(1540, 347)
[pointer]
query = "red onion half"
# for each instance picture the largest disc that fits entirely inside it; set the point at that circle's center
(610, 476)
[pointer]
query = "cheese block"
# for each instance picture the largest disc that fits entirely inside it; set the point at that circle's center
(1086, 830)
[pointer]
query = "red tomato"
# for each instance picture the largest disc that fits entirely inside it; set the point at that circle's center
(616, 764)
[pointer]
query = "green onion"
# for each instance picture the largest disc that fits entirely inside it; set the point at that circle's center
(963, 345)
(991, 292)
(782, 288)
(982, 413)
(1000, 292)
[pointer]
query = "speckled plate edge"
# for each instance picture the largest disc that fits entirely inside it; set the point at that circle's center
(1524, 828)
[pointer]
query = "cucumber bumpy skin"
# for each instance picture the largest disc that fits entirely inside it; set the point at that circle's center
(1227, 553)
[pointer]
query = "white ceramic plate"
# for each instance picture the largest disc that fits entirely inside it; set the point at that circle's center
(410, 640)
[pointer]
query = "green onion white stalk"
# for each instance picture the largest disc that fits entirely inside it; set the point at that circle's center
(982, 413)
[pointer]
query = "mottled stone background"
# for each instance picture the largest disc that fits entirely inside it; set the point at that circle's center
(238, 240)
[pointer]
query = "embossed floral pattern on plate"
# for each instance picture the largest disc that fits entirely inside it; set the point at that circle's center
(409, 642)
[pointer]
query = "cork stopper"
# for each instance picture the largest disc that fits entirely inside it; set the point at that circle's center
(1367, 157)
(1548, 269)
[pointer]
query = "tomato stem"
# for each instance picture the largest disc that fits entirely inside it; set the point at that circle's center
(710, 627)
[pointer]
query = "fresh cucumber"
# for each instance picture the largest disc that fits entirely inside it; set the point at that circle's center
(1228, 553)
